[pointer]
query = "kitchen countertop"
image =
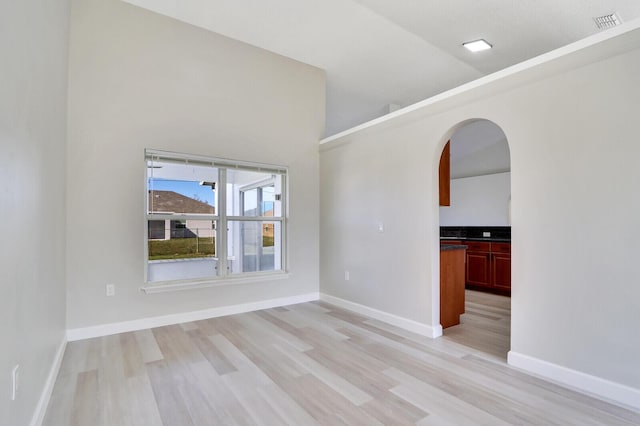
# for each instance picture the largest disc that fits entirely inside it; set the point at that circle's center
(487, 239)
(444, 247)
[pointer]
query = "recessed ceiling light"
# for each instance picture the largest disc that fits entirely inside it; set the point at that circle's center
(477, 46)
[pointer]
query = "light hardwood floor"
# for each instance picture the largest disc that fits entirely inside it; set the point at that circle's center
(312, 364)
(485, 325)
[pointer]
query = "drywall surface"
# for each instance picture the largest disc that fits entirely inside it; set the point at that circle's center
(478, 201)
(575, 202)
(33, 99)
(141, 80)
(490, 159)
(479, 148)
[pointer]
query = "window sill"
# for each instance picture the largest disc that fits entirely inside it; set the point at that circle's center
(186, 259)
(167, 286)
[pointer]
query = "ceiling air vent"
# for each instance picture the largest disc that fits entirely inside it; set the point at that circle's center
(607, 21)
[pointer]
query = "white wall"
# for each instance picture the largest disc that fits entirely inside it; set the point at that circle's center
(478, 201)
(140, 80)
(571, 127)
(33, 42)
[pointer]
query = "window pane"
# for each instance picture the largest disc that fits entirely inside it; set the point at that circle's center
(268, 200)
(181, 188)
(254, 246)
(253, 193)
(250, 202)
(181, 249)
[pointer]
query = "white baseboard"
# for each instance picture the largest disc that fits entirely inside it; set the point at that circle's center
(159, 321)
(404, 323)
(592, 385)
(45, 396)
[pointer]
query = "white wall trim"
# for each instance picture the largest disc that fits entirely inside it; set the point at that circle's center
(401, 322)
(47, 390)
(159, 321)
(595, 386)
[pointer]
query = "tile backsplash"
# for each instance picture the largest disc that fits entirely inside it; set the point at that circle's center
(498, 232)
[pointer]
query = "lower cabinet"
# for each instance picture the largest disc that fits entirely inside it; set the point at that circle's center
(478, 269)
(451, 286)
(489, 265)
(501, 271)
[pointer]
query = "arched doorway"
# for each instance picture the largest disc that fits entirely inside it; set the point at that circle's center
(478, 216)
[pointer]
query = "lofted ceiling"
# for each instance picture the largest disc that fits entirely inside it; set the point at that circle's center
(479, 148)
(387, 53)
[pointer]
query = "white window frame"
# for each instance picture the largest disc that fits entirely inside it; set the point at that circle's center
(222, 275)
(258, 186)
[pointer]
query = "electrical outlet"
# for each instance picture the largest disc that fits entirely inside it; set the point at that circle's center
(15, 376)
(111, 289)
(346, 275)
(486, 234)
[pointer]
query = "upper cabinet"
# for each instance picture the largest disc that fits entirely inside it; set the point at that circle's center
(445, 176)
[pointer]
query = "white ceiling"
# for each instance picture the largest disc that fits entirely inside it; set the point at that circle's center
(381, 52)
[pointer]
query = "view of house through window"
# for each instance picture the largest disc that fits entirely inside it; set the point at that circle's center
(198, 206)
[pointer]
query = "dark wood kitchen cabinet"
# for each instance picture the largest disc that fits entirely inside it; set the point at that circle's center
(445, 176)
(452, 257)
(478, 263)
(501, 271)
(489, 266)
(501, 266)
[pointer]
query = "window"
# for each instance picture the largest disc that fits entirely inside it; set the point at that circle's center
(209, 218)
